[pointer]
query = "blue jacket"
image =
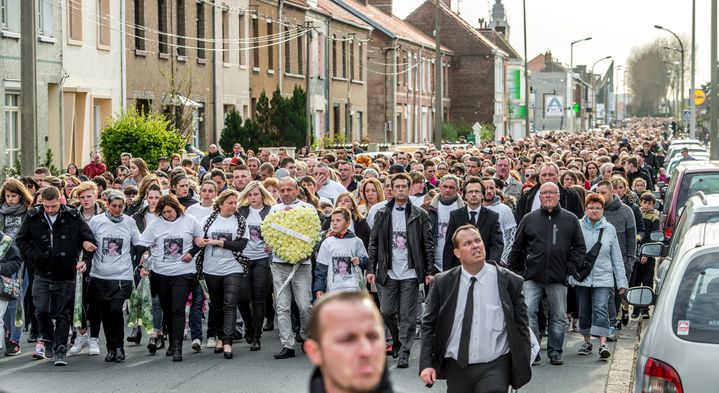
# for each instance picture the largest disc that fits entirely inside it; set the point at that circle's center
(609, 264)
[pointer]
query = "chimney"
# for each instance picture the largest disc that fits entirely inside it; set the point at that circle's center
(547, 58)
(382, 5)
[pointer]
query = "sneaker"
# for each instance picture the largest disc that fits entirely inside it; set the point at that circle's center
(612, 337)
(556, 359)
(645, 313)
(586, 349)
(604, 352)
(196, 345)
(49, 353)
(625, 317)
(211, 342)
(418, 332)
(94, 346)
(39, 353)
(81, 342)
(60, 356)
(13, 348)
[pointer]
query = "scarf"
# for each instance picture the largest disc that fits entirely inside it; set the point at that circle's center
(449, 201)
(114, 219)
(7, 210)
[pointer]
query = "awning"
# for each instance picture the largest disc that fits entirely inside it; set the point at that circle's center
(180, 100)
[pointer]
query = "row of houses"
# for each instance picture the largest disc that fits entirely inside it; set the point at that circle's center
(368, 74)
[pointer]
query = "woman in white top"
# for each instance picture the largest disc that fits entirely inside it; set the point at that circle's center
(111, 275)
(255, 203)
(225, 269)
(208, 193)
(170, 238)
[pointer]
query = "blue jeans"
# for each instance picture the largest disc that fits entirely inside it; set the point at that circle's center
(196, 313)
(557, 299)
(593, 313)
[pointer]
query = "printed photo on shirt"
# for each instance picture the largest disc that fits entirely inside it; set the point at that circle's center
(255, 233)
(12, 224)
(399, 241)
(442, 230)
(226, 236)
(112, 246)
(173, 247)
(342, 269)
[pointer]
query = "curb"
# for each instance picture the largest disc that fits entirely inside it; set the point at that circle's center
(621, 371)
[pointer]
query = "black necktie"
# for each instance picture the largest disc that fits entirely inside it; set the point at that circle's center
(463, 355)
(473, 218)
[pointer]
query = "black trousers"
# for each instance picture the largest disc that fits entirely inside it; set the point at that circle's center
(225, 293)
(492, 377)
(53, 301)
(173, 292)
(30, 305)
(261, 281)
(104, 307)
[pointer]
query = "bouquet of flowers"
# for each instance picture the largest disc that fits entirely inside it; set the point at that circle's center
(77, 311)
(141, 306)
(292, 234)
(5, 244)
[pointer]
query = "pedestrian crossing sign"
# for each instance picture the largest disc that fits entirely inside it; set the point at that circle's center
(553, 106)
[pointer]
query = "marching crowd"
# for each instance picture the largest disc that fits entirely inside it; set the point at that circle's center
(558, 218)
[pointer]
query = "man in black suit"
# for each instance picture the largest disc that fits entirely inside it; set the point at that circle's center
(474, 213)
(492, 316)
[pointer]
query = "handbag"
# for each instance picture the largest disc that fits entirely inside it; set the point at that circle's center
(9, 287)
(587, 263)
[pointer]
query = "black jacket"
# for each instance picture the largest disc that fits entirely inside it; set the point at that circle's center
(568, 199)
(317, 385)
(419, 242)
(643, 175)
(439, 315)
(207, 160)
(53, 255)
(10, 262)
(547, 246)
(489, 229)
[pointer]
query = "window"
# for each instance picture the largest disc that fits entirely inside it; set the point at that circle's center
(288, 63)
(697, 297)
(360, 77)
(74, 20)
(334, 56)
(270, 49)
(255, 49)
(200, 30)
(162, 25)
(300, 56)
(410, 77)
(352, 59)
(253, 107)
(103, 24)
(360, 125)
(139, 24)
(45, 10)
(143, 106)
(3, 14)
(344, 59)
(321, 55)
(12, 128)
(241, 35)
(225, 36)
(336, 119)
(181, 30)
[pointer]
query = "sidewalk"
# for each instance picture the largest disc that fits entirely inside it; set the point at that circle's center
(621, 370)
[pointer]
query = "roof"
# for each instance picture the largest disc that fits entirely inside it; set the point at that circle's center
(536, 64)
(498, 39)
(341, 14)
(391, 26)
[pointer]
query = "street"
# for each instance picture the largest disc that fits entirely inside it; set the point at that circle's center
(255, 372)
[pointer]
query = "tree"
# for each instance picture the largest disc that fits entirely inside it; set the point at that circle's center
(232, 132)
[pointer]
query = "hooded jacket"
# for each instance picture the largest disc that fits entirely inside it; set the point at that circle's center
(609, 264)
(622, 218)
(548, 246)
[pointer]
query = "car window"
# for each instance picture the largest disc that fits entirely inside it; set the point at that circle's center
(707, 183)
(670, 190)
(696, 316)
(679, 232)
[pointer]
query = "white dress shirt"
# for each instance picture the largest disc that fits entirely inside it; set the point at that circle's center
(488, 339)
(469, 213)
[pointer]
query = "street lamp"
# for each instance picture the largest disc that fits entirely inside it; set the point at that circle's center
(594, 90)
(571, 76)
(681, 49)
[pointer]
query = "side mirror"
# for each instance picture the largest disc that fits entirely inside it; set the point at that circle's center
(640, 296)
(657, 236)
(652, 249)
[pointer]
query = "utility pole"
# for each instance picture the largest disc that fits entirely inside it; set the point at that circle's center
(438, 79)
(526, 74)
(692, 105)
(308, 75)
(714, 95)
(28, 80)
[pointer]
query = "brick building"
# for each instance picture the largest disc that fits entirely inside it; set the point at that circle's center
(400, 75)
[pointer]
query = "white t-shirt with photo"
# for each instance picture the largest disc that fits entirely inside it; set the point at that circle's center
(400, 247)
(198, 211)
(112, 259)
(168, 242)
(337, 254)
(219, 261)
(255, 248)
(442, 236)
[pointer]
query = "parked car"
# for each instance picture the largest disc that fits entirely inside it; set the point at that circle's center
(700, 157)
(694, 151)
(688, 178)
(680, 346)
(698, 226)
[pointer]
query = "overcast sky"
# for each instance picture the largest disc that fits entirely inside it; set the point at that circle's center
(616, 27)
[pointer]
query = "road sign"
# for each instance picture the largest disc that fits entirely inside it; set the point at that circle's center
(699, 96)
(553, 106)
(687, 115)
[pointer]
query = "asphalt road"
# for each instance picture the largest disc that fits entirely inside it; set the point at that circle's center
(256, 372)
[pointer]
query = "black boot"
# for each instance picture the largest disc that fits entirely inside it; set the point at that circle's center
(153, 346)
(120, 358)
(255, 345)
(111, 355)
(135, 336)
(177, 354)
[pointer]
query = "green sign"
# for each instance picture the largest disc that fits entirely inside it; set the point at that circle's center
(517, 111)
(471, 138)
(575, 108)
(515, 85)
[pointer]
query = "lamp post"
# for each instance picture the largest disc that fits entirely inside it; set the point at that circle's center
(571, 77)
(675, 85)
(681, 49)
(594, 92)
(615, 91)
(526, 74)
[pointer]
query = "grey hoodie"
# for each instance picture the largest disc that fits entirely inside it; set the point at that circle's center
(622, 218)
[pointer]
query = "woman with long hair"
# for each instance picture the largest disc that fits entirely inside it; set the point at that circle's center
(358, 224)
(138, 171)
(173, 273)
(111, 274)
(139, 201)
(70, 183)
(223, 265)
(254, 205)
(208, 193)
(181, 188)
(72, 170)
(370, 193)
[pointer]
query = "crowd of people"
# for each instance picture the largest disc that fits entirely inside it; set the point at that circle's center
(539, 207)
